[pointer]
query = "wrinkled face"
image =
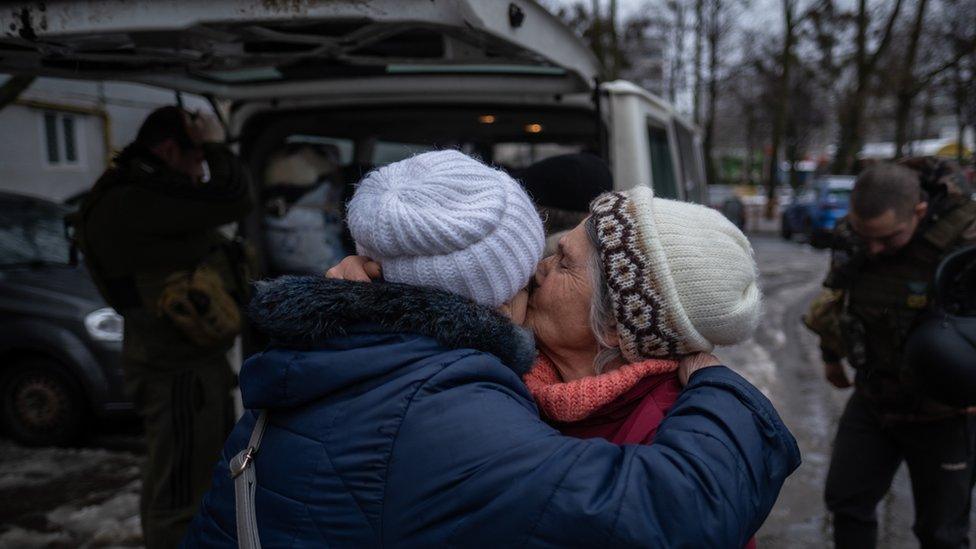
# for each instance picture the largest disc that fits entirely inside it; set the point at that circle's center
(888, 232)
(559, 303)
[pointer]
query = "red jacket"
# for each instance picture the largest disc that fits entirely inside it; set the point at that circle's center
(632, 417)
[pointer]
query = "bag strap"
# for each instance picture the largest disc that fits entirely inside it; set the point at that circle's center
(242, 471)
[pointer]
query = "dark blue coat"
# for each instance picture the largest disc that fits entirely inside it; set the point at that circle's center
(397, 417)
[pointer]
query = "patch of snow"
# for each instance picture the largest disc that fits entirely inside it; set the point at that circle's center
(24, 467)
(114, 521)
(27, 539)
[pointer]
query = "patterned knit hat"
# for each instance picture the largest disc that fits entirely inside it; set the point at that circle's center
(445, 220)
(682, 277)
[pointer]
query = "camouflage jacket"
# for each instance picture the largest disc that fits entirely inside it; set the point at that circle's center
(870, 306)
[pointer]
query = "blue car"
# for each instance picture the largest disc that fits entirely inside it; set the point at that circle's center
(815, 211)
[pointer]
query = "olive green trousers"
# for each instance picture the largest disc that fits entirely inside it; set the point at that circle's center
(187, 412)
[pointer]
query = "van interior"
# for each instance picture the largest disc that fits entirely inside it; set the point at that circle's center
(362, 138)
(367, 137)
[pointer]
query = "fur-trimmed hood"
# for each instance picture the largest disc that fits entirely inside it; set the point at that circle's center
(301, 311)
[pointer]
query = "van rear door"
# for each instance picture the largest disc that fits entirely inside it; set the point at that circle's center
(260, 49)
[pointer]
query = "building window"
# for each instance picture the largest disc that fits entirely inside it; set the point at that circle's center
(61, 139)
(51, 137)
(68, 125)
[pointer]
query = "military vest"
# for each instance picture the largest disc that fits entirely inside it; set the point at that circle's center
(885, 296)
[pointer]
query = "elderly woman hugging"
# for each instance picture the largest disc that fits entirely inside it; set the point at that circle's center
(407, 412)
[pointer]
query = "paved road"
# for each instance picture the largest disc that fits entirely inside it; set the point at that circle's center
(89, 497)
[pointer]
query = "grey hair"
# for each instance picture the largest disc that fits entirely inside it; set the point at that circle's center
(602, 319)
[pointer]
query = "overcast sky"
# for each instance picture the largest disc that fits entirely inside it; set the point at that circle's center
(758, 14)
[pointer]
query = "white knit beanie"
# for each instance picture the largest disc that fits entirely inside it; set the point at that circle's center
(445, 220)
(682, 277)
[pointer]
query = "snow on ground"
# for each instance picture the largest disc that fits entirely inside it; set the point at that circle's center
(68, 497)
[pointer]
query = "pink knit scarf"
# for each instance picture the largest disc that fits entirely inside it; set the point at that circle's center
(569, 401)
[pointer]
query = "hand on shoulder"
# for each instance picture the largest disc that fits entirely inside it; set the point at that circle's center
(356, 267)
(689, 364)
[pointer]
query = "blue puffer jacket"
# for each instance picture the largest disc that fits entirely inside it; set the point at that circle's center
(397, 417)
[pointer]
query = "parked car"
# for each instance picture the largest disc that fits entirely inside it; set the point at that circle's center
(60, 344)
(815, 211)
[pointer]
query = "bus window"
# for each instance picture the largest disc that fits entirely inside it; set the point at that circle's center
(662, 172)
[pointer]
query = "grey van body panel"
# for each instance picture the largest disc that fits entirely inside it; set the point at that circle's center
(238, 48)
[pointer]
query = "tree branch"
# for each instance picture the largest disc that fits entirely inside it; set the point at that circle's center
(886, 38)
(923, 81)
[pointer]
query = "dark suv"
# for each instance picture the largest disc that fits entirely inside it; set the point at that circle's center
(60, 344)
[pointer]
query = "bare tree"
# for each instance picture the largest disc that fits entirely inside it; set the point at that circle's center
(782, 100)
(602, 31)
(595, 31)
(615, 59)
(911, 78)
(747, 109)
(714, 38)
(870, 42)
(961, 18)
(718, 27)
(806, 118)
(677, 10)
(699, 37)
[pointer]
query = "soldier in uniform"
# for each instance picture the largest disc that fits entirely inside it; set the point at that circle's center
(902, 222)
(149, 234)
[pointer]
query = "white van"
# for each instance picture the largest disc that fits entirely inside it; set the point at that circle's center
(378, 79)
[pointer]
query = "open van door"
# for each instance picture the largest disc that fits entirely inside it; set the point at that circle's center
(651, 145)
(250, 49)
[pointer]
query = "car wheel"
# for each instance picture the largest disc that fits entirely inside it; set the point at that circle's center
(42, 404)
(784, 229)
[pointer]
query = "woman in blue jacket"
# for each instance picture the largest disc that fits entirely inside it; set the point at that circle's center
(397, 417)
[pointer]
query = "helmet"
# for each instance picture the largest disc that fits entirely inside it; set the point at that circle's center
(941, 350)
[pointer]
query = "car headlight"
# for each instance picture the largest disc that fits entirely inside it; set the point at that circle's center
(104, 325)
